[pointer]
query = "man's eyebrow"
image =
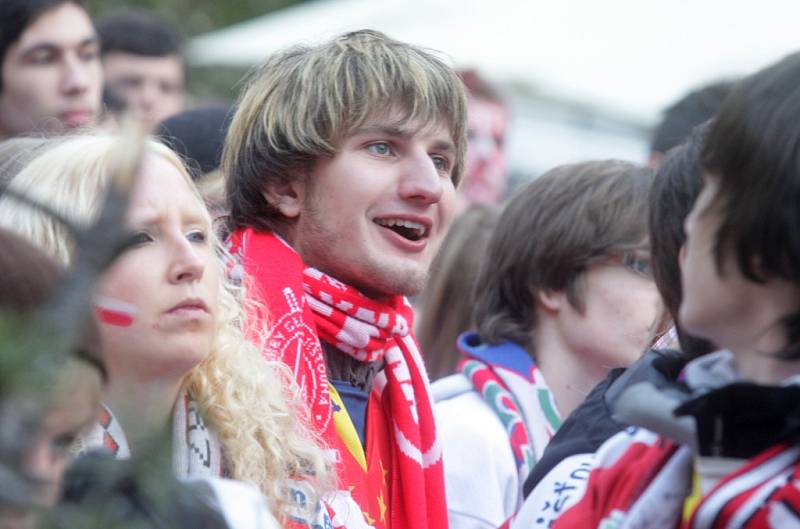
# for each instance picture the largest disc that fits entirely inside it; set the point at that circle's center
(51, 46)
(387, 130)
(401, 132)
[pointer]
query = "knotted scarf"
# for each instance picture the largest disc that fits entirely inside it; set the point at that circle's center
(514, 388)
(306, 306)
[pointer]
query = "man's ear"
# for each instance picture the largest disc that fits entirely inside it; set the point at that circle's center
(286, 197)
(552, 300)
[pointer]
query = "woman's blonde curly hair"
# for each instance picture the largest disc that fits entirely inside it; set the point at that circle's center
(252, 403)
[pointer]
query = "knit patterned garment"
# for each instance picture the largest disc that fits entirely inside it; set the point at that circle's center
(305, 306)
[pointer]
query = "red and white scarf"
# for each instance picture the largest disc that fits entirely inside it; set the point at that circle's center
(306, 306)
(196, 449)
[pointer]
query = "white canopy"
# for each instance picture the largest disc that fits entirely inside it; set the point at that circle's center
(629, 58)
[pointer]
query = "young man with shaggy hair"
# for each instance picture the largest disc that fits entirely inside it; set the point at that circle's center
(565, 293)
(342, 162)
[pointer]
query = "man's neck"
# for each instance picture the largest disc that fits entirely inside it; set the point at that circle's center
(345, 368)
(569, 375)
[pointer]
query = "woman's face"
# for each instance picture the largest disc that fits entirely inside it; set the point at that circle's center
(158, 302)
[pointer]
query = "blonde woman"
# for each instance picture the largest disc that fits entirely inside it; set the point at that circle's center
(171, 326)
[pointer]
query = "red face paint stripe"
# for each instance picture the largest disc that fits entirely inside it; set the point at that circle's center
(114, 317)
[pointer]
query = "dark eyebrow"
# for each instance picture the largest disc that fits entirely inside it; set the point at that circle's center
(49, 46)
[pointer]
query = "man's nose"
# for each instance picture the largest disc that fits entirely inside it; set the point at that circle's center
(421, 180)
(76, 75)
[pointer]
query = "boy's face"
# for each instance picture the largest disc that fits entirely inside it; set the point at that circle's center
(722, 305)
(374, 215)
(51, 76)
(621, 310)
(151, 86)
(73, 408)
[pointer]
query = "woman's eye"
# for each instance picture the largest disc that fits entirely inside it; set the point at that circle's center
(197, 236)
(380, 148)
(141, 237)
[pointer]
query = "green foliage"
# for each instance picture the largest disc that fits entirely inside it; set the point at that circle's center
(194, 16)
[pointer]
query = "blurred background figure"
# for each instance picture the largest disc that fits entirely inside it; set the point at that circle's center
(50, 75)
(682, 116)
(143, 63)
(198, 135)
(114, 107)
(446, 304)
(486, 174)
(40, 417)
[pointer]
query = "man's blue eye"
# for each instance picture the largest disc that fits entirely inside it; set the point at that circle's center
(197, 236)
(380, 148)
(440, 163)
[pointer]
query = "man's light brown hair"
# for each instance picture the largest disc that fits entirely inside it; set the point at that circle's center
(548, 235)
(303, 102)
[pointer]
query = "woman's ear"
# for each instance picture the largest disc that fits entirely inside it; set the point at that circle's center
(286, 197)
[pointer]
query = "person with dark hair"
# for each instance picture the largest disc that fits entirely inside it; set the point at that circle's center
(721, 448)
(198, 136)
(564, 294)
(341, 163)
(143, 62)
(677, 183)
(691, 110)
(445, 310)
(38, 424)
(50, 75)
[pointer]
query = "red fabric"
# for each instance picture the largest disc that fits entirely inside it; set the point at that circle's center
(274, 275)
(617, 487)
(769, 500)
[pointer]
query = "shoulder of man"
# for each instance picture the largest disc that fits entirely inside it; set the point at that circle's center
(449, 387)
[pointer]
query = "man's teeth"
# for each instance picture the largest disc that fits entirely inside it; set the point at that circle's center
(410, 224)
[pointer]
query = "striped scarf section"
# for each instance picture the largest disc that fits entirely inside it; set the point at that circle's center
(503, 388)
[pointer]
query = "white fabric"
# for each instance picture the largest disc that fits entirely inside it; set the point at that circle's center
(481, 478)
(240, 503)
(711, 470)
(556, 492)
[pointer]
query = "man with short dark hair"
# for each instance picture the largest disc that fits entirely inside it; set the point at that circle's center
(341, 163)
(683, 115)
(564, 294)
(50, 75)
(143, 63)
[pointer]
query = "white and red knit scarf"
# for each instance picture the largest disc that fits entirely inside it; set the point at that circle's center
(306, 306)
(196, 449)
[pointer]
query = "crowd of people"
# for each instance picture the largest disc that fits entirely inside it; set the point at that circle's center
(324, 306)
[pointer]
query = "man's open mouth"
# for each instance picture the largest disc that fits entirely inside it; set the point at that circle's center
(413, 231)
